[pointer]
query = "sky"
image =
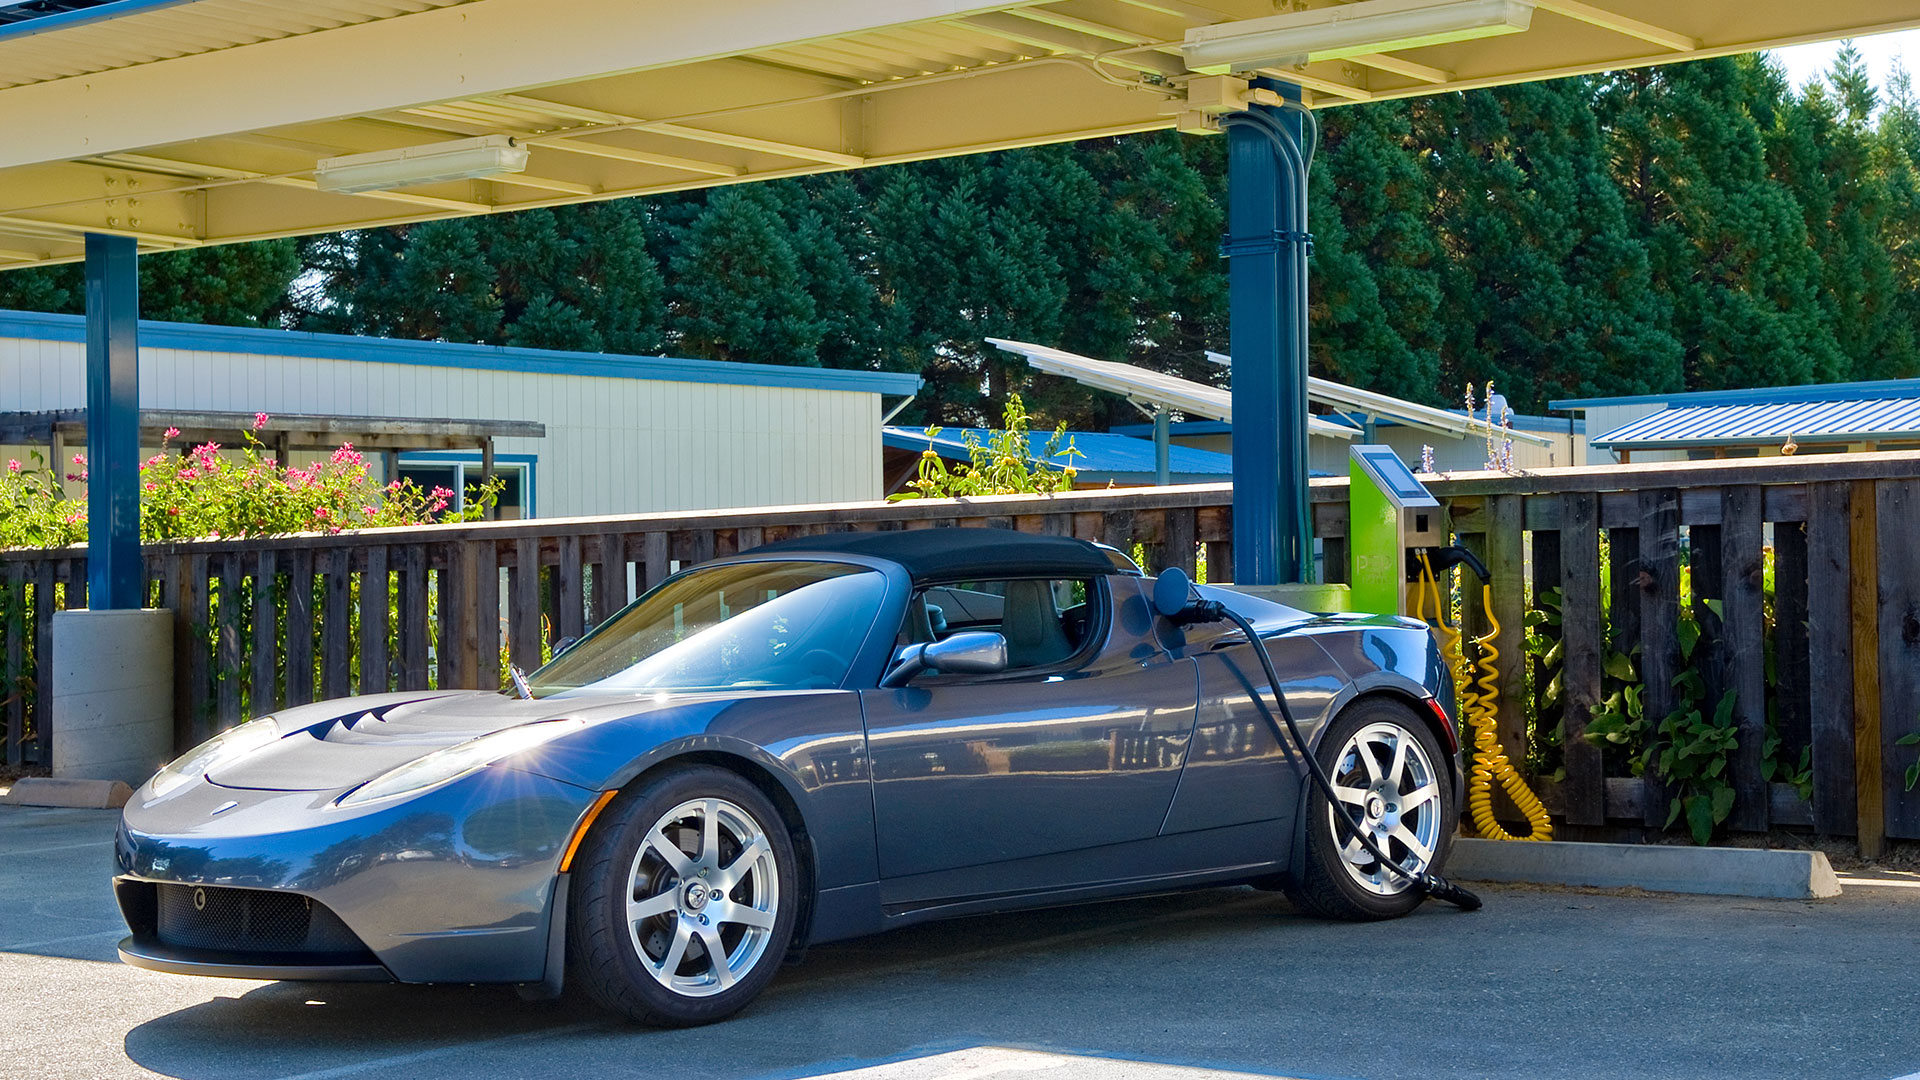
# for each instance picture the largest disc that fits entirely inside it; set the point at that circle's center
(1881, 51)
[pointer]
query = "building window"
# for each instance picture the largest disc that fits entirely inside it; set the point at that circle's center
(462, 477)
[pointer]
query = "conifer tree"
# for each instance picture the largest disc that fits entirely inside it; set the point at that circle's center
(737, 291)
(1377, 268)
(1727, 243)
(231, 285)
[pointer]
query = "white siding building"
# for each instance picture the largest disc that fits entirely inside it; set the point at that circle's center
(625, 434)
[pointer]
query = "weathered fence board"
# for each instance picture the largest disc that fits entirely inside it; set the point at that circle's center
(1743, 641)
(1829, 655)
(1659, 581)
(1580, 666)
(1869, 795)
(1898, 512)
(375, 593)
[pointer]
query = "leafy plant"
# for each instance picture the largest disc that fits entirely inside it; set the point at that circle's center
(1775, 766)
(1004, 465)
(1913, 770)
(1690, 746)
(210, 491)
(1543, 683)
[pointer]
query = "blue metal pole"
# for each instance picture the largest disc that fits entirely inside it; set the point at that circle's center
(114, 574)
(1267, 246)
(1162, 447)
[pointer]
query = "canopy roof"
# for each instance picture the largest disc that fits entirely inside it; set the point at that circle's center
(186, 122)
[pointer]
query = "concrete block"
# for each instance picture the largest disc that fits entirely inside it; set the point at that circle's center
(112, 684)
(75, 794)
(1716, 871)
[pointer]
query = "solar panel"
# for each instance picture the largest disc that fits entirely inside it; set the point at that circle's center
(1411, 413)
(1148, 388)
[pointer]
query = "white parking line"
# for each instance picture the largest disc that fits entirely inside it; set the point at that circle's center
(1881, 883)
(982, 1062)
(59, 847)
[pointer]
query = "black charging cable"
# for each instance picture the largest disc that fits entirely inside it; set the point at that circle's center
(1199, 610)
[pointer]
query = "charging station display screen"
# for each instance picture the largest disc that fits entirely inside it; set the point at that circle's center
(1393, 475)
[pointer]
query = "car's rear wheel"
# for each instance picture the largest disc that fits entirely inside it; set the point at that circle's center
(1389, 772)
(683, 900)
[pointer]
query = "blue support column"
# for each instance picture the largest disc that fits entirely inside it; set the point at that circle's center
(114, 574)
(1162, 447)
(1267, 246)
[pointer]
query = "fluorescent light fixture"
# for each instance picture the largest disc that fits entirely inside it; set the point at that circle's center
(1347, 30)
(461, 159)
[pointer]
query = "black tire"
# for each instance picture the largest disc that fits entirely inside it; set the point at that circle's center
(1331, 886)
(622, 965)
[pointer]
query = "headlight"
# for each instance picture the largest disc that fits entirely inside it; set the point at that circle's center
(226, 746)
(443, 765)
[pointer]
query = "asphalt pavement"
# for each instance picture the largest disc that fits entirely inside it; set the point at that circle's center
(1542, 983)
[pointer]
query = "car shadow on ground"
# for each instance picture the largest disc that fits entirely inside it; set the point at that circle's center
(901, 994)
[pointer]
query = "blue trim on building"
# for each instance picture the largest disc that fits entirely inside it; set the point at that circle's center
(1849, 391)
(40, 326)
(67, 20)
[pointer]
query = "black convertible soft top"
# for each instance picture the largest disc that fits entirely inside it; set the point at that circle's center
(959, 554)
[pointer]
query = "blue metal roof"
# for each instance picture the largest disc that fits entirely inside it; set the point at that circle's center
(1104, 455)
(40, 326)
(1847, 391)
(1826, 421)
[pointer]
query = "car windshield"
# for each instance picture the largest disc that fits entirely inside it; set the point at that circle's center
(742, 626)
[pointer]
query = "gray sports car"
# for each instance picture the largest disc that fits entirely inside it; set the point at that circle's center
(817, 739)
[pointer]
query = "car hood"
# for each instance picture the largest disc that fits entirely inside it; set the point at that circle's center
(340, 744)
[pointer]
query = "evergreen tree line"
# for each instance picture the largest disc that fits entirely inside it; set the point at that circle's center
(1696, 226)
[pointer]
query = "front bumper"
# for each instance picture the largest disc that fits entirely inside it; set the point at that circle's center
(156, 957)
(454, 885)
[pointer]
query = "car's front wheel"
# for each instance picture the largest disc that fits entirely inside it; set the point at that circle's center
(683, 899)
(1389, 773)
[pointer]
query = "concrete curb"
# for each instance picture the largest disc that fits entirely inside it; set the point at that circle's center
(68, 794)
(1716, 871)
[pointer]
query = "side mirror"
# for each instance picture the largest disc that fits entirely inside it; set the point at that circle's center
(970, 652)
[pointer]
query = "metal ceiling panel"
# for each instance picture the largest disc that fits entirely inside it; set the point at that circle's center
(78, 37)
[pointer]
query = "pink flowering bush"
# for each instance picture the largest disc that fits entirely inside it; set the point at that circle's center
(202, 493)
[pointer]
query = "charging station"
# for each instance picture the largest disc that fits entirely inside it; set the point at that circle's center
(1390, 515)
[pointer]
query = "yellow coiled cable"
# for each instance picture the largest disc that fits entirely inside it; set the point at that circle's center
(1480, 704)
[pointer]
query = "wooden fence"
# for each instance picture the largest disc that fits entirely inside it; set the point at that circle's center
(1803, 576)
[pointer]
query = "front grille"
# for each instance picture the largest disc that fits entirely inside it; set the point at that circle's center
(250, 920)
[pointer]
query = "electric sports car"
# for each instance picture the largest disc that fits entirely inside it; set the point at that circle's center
(817, 739)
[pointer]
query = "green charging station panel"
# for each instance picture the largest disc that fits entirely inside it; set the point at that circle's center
(1389, 512)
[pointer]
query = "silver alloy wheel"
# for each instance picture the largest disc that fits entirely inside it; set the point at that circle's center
(1391, 787)
(702, 896)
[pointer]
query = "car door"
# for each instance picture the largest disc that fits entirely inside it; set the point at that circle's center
(1077, 746)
